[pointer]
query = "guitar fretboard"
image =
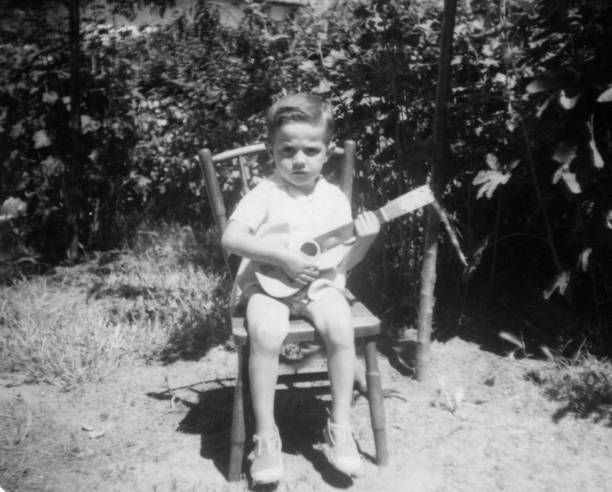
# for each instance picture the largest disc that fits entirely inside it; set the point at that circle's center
(341, 234)
(408, 202)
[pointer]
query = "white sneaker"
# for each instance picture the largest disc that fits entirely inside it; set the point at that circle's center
(342, 450)
(266, 459)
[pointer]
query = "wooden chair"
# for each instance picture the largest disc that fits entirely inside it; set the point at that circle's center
(366, 325)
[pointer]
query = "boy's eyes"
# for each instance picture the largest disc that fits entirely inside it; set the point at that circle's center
(309, 151)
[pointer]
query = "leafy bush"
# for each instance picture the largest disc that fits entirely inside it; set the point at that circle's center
(525, 175)
(550, 220)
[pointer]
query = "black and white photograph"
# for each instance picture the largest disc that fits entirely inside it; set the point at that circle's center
(305, 245)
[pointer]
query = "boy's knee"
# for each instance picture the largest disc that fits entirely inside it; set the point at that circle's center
(267, 324)
(267, 335)
(340, 334)
(336, 329)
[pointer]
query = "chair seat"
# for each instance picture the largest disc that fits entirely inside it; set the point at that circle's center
(365, 324)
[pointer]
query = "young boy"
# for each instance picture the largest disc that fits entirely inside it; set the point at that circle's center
(296, 201)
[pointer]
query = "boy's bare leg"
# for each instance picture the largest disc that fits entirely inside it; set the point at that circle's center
(268, 325)
(332, 317)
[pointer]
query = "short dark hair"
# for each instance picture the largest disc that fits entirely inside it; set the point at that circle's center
(301, 107)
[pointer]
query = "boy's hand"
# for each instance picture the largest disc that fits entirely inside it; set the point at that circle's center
(300, 267)
(366, 224)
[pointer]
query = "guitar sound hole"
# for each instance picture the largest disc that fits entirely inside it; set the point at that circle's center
(309, 248)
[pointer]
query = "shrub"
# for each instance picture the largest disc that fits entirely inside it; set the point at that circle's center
(584, 385)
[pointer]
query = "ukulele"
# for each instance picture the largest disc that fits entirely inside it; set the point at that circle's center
(327, 248)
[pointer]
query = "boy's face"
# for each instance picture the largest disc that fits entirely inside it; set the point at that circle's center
(299, 150)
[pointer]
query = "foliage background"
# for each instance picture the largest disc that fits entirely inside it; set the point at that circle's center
(527, 174)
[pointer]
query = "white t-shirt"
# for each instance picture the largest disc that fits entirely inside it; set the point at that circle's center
(274, 211)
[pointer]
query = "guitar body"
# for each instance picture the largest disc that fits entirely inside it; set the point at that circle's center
(276, 283)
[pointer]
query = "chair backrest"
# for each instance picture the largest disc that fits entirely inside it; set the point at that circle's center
(236, 157)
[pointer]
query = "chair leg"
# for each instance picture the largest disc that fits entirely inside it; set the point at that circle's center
(375, 398)
(238, 432)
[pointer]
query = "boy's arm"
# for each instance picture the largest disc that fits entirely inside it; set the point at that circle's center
(239, 239)
(367, 228)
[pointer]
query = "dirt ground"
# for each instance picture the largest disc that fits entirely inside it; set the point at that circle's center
(479, 425)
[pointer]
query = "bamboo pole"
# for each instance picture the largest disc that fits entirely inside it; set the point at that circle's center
(432, 220)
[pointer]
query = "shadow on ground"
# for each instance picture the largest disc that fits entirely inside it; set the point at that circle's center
(301, 415)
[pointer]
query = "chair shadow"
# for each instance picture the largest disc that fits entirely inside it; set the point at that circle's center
(301, 415)
(211, 417)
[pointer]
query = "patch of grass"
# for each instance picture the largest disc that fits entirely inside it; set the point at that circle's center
(584, 385)
(164, 297)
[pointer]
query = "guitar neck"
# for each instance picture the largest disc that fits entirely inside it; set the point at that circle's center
(404, 204)
(342, 234)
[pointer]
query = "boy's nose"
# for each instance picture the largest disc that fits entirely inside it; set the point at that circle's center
(299, 160)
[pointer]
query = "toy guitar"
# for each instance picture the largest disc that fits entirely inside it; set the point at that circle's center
(276, 283)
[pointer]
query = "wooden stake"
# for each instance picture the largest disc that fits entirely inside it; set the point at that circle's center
(432, 220)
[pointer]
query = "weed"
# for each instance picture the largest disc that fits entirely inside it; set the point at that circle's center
(584, 384)
(447, 399)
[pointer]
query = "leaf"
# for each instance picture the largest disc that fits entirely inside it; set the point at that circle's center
(347, 96)
(88, 124)
(334, 55)
(49, 97)
(323, 87)
(571, 182)
(542, 107)
(487, 50)
(307, 66)
(475, 258)
(536, 86)
(52, 166)
(568, 177)
(547, 353)
(492, 162)
(143, 182)
(553, 80)
(560, 283)
(511, 125)
(490, 62)
(96, 433)
(489, 181)
(16, 130)
(41, 139)
(564, 154)
(12, 208)
(598, 162)
(605, 96)
(583, 259)
(500, 78)
(567, 102)
(509, 337)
